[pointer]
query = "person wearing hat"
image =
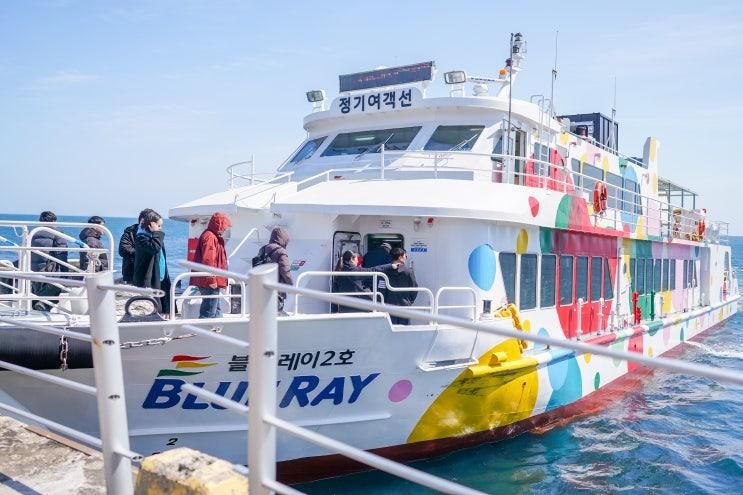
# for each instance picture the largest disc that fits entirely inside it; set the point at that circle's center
(380, 255)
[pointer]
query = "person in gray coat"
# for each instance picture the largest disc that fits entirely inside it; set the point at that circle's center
(275, 252)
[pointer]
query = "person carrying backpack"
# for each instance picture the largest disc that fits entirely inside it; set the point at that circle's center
(275, 252)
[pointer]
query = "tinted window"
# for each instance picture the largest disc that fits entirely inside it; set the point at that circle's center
(632, 276)
(648, 276)
(547, 288)
(686, 274)
(575, 165)
(629, 195)
(673, 274)
(640, 287)
(566, 279)
(353, 143)
(665, 275)
(508, 270)
(307, 150)
(608, 286)
(658, 274)
(614, 190)
(528, 282)
(593, 174)
(454, 137)
(596, 271)
(581, 278)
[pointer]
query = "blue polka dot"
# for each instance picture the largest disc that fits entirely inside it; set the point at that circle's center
(565, 379)
(481, 265)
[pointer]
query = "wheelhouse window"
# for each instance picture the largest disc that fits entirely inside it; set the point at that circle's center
(454, 138)
(596, 271)
(581, 278)
(547, 279)
(528, 282)
(355, 143)
(508, 270)
(307, 150)
(566, 280)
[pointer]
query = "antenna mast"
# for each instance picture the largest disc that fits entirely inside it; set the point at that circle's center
(554, 78)
(612, 144)
(509, 63)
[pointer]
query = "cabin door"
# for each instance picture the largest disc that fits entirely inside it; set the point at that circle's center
(344, 241)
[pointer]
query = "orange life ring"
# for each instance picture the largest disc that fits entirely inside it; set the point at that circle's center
(600, 195)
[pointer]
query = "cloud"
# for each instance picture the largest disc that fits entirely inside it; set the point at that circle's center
(65, 78)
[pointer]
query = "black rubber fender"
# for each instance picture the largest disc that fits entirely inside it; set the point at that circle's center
(40, 351)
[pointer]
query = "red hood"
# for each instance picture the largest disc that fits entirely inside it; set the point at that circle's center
(219, 223)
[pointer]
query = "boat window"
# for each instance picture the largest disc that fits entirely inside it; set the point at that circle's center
(541, 152)
(665, 275)
(307, 150)
(608, 286)
(658, 275)
(640, 286)
(547, 286)
(581, 278)
(594, 174)
(673, 275)
(596, 271)
(566, 280)
(575, 165)
(628, 196)
(454, 138)
(354, 143)
(686, 274)
(508, 269)
(632, 274)
(614, 190)
(528, 282)
(648, 276)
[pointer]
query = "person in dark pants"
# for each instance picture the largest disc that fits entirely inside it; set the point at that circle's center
(40, 263)
(210, 251)
(92, 237)
(400, 275)
(275, 252)
(150, 260)
(362, 284)
(126, 248)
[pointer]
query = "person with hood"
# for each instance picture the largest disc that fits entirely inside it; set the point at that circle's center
(126, 248)
(150, 261)
(211, 251)
(275, 252)
(45, 239)
(92, 237)
(380, 255)
(400, 275)
(346, 284)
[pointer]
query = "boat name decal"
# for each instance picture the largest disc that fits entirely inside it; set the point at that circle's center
(312, 359)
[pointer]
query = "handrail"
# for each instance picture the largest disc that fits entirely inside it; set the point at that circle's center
(184, 297)
(442, 290)
(273, 181)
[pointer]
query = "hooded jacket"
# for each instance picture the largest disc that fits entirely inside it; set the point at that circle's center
(401, 277)
(276, 251)
(210, 251)
(48, 240)
(92, 237)
(126, 251)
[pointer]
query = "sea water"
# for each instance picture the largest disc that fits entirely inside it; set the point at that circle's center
(676, 434)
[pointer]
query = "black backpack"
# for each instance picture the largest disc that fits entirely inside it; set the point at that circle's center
(262, 258)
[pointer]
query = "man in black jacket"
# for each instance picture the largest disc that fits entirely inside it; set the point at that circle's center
(126, 248)
(276, 252)
(400, 275)
(92, 237)
(39, 263)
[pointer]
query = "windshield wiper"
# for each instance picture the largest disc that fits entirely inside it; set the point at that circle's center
(461, 145)
(376, 150)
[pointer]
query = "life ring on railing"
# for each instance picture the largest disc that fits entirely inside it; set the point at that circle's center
(600, 196)
(701, 228)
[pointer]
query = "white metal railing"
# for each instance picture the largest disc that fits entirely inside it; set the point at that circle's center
(107, 368)
(263, 422)
(373, 294)
(183, 297)
(443, 290)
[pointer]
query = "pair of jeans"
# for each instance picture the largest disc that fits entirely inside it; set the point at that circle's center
(209, 306)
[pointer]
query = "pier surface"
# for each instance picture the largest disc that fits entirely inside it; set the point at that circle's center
(34, 461)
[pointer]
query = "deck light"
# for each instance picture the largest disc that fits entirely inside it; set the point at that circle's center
(316, 95)
(455, 77)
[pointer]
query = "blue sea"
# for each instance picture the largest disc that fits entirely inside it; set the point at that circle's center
(675, 435)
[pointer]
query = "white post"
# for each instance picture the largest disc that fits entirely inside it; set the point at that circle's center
(109, 382)
(660, 310)
(262, 373)
(252, 169)
(381, 162)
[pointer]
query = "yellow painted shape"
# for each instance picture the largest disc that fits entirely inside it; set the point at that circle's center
(564, 138)
(587, 357)
(667, 304)
(640, 231)
(652, 151)
(654, 181)
(650, 351)
(190, 364)
(482, 397)
(522, 241)
(605, 163)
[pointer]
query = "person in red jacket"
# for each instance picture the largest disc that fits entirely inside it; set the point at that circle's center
(211, 251)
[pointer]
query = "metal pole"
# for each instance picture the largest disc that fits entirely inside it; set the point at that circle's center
(262, 363)
(109, 380)
(381, 161)
(252, 169)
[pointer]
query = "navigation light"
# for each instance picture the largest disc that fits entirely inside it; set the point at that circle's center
(316, 95)
(455, 77)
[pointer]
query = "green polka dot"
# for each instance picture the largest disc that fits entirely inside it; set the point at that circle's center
(617, 346)
(597, 381)
(681, 336)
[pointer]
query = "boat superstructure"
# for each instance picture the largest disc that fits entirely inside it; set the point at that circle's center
(498, 202)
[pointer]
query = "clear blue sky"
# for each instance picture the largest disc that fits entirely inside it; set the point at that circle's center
(108, 107)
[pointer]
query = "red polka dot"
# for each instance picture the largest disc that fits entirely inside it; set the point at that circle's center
(534, 205)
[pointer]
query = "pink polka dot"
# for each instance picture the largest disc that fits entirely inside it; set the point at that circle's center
(534, 205)
(400, 390)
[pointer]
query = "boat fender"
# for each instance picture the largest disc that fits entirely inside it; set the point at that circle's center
(40, 351)
(600, 197)
(153, 315)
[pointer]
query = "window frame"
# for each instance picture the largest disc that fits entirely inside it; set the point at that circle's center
(578, 262)
(503, 273)
(370, 148)
(591, 278)
(468, 147)
(542, 280)
(608, 283)
(534, 289)
(571, 258)
(293, 161)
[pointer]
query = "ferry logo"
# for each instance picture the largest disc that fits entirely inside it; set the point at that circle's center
(184, 362)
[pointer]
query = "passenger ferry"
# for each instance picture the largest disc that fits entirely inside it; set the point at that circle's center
(509, 214)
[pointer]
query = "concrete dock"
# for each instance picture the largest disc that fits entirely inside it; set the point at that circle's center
(35, 461)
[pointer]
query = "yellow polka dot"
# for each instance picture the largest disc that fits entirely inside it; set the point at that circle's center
(650, 351)
(564, 137)
(605, 164)
(526, 326)
(522, 241)
(587, 357)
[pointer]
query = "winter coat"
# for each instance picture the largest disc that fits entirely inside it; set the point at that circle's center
(377, 256)
(210, 251)
(148, 248)
(92, 237)
(46, 239)
(347, 284)
(276, 251)
(126, 251)
(401, 277)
